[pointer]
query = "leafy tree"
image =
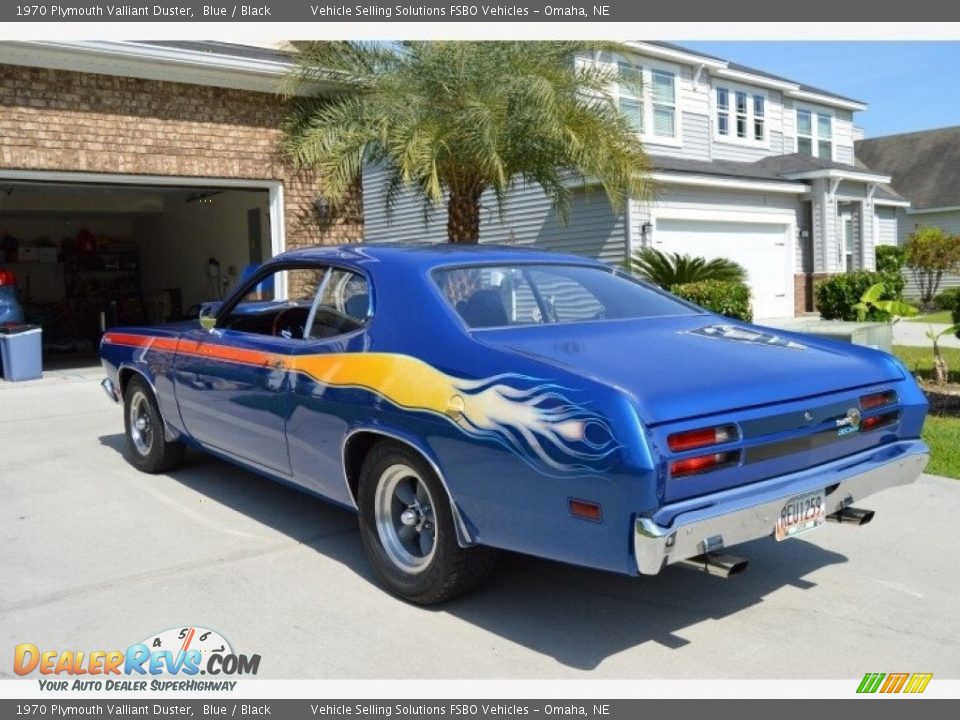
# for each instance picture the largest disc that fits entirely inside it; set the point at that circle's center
(930, 252)
(890, 258)
(670, 269)
(454, 120)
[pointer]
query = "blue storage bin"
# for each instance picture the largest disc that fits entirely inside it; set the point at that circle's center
(21, 348)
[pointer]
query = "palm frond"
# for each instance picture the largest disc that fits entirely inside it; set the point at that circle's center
(464, 118)
(669, 269)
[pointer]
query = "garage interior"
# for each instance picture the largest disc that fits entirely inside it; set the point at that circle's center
(88, 257)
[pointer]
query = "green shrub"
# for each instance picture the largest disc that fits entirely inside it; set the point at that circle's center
(731, 299)
(956, 315)
(837, 296)
(947, 300)
(890, 258)
(669, 269)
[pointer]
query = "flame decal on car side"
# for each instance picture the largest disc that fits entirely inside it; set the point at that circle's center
(536, 419)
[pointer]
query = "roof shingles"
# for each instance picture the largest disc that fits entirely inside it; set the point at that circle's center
(924, 166)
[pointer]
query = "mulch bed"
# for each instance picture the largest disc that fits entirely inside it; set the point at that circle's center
(943, 399)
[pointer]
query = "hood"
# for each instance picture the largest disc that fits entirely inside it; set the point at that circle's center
(682, 367)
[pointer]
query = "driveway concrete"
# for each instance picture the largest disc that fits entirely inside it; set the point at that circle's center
(94, 555)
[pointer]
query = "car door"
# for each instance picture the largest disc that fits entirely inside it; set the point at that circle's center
(320, 414)
(233, 381)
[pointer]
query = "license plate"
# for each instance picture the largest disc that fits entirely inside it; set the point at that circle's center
(801, 513)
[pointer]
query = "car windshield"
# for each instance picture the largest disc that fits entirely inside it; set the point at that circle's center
(536, 294)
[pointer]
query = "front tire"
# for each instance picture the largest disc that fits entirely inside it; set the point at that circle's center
(149, 449)
(407, 529)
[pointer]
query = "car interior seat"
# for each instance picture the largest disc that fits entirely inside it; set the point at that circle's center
(484, 309)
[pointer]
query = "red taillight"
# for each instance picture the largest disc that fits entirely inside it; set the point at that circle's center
(876, 422)
(705, 437)
(878, 400)
(702, 463)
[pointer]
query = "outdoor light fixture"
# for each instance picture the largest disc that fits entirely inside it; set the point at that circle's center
(646, 228)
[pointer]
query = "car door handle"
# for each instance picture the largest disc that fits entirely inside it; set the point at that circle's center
(274, 364)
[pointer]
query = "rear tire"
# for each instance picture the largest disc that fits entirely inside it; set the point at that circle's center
(149, 449)
(407, 529)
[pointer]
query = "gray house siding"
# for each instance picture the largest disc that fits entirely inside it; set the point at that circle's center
(844, 154)
(696, 139)
(593, 231)
(886, 226)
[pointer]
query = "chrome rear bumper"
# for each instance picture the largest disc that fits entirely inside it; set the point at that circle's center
(709, 523)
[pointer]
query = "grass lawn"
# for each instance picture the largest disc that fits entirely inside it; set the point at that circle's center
(943, 316)
(920, 360)
(942, 434)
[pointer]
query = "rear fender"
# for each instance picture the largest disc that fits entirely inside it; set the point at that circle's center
(168, 406)
(358, 437)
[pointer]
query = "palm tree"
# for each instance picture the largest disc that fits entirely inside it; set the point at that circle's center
(670, 269)
(454, 120)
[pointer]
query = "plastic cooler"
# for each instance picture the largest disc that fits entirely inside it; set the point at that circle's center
(21, 348)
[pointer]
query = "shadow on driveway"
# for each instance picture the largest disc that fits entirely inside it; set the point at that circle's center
(576, 615)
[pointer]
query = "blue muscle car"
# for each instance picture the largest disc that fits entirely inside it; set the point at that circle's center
(469, 399)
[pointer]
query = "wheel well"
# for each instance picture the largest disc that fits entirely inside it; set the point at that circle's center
(355, 450)
(124, 378)
(126, 374)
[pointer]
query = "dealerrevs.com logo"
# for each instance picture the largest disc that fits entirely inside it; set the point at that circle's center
(168, 660)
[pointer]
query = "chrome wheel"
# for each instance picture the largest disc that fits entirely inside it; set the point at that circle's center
(141, 425)
(404, 514)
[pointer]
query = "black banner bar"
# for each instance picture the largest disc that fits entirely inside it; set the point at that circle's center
(602, 11)
(324, 709)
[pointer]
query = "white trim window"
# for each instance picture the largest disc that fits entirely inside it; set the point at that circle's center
(815, 133)
(741, 116)
(664, 94)
(630, 94)
(647, 95)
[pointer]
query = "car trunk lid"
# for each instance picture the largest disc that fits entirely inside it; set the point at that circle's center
(684, 367)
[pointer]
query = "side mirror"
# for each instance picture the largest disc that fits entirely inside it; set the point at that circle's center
(208, 318)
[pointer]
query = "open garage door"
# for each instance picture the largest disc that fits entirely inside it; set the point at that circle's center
(89, 256)
(761, 248)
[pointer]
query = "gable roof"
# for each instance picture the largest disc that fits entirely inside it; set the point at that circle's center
(924, 166)
(737, 67)
(794, 167)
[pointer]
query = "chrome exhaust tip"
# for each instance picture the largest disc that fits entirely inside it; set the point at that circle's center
(715, 564)
(112, 391)
(852, 516)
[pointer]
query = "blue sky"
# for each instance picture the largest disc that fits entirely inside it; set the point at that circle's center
(906, 85)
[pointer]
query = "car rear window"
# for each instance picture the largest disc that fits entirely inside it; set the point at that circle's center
(535, 294)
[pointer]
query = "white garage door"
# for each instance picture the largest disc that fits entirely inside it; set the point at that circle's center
(760, 248)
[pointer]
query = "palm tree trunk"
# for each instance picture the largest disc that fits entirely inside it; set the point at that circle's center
(463, 216)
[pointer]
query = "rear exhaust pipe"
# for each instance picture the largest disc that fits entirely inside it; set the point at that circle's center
(852, 516)
(715, 564)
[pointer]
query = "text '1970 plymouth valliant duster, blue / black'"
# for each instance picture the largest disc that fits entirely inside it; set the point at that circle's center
(468, 399)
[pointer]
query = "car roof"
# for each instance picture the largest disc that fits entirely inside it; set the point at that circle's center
(429, 256)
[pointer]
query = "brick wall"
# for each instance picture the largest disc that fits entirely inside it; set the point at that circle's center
(68, 121)
(804, 292)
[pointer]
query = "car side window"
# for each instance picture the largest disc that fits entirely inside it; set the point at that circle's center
(564, 298)
(491, 296)
(341, 305)
(321, 302)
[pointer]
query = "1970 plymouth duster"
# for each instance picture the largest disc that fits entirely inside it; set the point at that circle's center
(464, 400)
